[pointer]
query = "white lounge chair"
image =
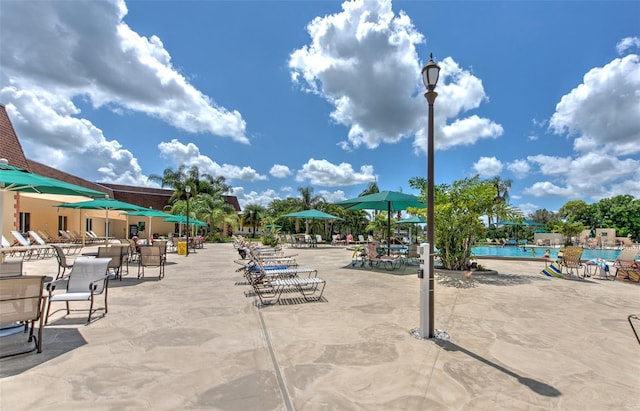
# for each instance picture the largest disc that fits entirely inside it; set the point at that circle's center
(37, 250)
(69, 248)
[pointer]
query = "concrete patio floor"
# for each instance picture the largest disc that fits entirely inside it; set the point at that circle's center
(197, 340)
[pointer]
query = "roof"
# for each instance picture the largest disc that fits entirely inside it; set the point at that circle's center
(47, 171)
(10, 147)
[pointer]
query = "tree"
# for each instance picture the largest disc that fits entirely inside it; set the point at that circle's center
(307, 200)
(200, 183)
(578, 210)
(501, 196)
(252, 216)
(215, 210)
(620, 212)
(207, 201)
(372, 188)
(379, 224)
(543, 216)
(568, 229)
(457, 216)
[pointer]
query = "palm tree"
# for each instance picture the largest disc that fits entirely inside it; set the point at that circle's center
(182, 177)
(372, 188)
(177, 180)
(307, 199)
(502, 193)
(252, 215)
(216, 211)
(212, 207)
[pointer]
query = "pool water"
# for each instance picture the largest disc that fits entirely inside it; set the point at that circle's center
(538, 252)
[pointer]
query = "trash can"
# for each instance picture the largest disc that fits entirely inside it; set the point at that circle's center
(182, 248)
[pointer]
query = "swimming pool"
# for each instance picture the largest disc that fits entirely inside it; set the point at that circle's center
(538, 252)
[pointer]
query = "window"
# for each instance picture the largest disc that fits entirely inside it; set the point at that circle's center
(88, 224)
(62, 222)
(25, 222)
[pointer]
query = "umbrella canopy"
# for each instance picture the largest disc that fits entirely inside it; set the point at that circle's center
(388, 201)
(312, 215)
(529, 223)
(149, 213)
(20, 180)
(182, 219)
(103, 204)
(384, 200)
(412, 220)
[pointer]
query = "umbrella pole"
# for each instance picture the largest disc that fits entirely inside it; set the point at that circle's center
(106, 228)
(389, 228)
(2, 194)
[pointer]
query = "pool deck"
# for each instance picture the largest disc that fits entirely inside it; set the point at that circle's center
(197, 340)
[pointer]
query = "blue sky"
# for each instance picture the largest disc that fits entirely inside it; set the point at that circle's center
(277, 95)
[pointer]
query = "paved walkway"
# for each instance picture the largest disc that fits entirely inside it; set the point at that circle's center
(196, 340)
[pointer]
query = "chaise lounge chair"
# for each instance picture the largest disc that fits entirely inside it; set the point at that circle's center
(269, 283)
(389, 262)
(40, 251)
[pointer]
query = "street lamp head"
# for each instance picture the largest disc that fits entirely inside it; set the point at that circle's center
(187, 189)
(430, 74)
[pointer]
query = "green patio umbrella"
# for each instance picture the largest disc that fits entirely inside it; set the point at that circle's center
(182, 219)
(106, 204)
(311, 215)
(388, 201)
(412, 220)
(14, 179)
(151, 213)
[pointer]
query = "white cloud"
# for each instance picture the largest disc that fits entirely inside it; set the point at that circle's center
(332, 196)
(528, 208)
(363, 61)
(602, 114)
(627, 43)
(189, 155)
(488, 167)
(280, 171)
(546, 188)
(466, 131)
(253, 197)
(41, 119)
(50, 47)
(551, 165)
(325, 173)
(594, 176)
(520, 168)
(603, 111)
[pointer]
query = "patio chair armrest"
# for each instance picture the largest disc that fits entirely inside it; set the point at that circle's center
(93, 284)
(50, 287)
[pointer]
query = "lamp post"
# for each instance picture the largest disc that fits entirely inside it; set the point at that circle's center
(430, 74)
(187, 190)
